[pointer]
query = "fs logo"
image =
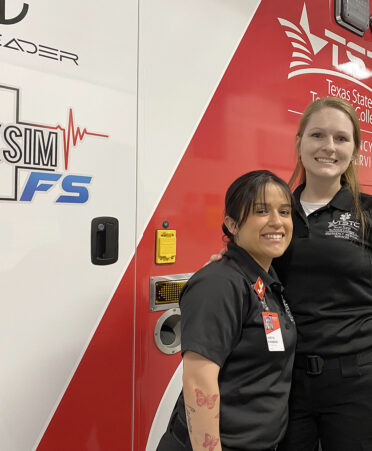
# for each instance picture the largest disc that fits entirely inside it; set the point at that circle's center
(306, 46)
(29, 155)
(13, 20)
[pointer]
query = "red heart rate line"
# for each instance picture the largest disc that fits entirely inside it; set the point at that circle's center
(70, 133)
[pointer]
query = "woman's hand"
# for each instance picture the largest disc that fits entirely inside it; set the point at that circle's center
(202, 401)
(216, 257)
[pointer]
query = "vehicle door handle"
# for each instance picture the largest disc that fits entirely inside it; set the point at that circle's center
(104, 240)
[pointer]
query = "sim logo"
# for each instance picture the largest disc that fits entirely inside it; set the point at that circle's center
(30, 156)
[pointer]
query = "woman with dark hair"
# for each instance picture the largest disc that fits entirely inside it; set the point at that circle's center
(238, 335)
(327, 275)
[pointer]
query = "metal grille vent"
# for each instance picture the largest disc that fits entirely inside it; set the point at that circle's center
(168, 291)
(165, 290)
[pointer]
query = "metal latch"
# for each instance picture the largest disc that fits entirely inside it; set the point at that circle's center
(353, 15)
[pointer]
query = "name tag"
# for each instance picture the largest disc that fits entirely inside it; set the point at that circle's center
(273, 332)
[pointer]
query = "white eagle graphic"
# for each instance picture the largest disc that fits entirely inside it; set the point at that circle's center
(305, 44)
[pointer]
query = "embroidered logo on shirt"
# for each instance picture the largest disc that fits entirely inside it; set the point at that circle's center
(344, 228)
(259, 288)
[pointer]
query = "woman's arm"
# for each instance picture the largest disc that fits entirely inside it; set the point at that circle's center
(202, 401)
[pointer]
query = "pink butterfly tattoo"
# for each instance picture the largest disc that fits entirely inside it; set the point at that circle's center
(210, 442)
(208, 400)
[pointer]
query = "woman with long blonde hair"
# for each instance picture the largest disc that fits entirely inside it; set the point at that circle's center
(327, 274)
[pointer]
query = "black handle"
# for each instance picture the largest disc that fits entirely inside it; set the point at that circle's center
(104, 240)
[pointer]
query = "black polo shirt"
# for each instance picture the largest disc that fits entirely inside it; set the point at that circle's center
(221, 318)
(327, 275)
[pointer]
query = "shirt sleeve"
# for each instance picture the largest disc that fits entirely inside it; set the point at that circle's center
(211, 315)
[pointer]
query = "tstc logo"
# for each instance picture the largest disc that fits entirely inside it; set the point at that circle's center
(306, 46)
(30, 156)
(13, 20)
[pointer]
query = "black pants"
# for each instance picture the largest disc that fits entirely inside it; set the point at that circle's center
(170, 443)
(176, 438)
(334, 407)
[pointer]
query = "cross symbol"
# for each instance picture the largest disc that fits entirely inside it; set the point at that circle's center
(9, 115)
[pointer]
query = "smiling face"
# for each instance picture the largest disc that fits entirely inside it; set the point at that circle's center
(267, 231)
(327, 145)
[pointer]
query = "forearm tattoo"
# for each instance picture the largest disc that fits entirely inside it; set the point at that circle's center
(188, 410)
(210, 442)
(202, 399)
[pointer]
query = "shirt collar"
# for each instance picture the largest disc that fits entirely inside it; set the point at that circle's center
(251, 268)
(342, 200)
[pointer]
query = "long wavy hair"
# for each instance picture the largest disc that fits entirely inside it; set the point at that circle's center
(350, 176)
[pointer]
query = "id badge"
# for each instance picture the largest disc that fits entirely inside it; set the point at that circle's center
(273, 332)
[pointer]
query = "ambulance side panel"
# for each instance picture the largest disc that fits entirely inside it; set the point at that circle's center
(68, 96)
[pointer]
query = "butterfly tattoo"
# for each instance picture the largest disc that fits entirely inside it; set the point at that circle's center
(208, 400)
(210, 442)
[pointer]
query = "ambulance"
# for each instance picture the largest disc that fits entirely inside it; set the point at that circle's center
(122, 123)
